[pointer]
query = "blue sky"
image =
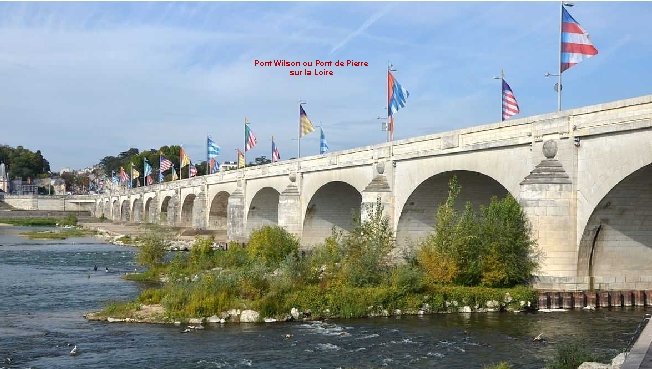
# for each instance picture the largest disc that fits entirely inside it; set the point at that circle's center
(84, 80)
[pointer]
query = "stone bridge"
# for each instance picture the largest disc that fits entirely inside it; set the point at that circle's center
(584, 177)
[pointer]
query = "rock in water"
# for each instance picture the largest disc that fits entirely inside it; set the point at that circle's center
(74, 351)
(249, 316)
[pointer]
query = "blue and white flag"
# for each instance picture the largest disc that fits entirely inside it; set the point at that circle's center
(323, 145)
(114, 177)
(212, 148)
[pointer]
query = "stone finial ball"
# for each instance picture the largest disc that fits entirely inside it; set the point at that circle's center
(550, 149)
(293, 177)
(380, 167)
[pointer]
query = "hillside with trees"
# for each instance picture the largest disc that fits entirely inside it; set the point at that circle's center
(24, 163)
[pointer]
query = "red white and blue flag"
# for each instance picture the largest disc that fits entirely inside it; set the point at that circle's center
(192, 171)
(575, 42)
(396, 99)
(510, 106)
(250, 139)
(276, 155)
(165, 164)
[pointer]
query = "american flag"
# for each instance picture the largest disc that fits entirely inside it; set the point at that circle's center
(166, 164)
(123, 175)
(249, 137)
(193, 170)
(510, 106)
(276, 155)
(575, 42)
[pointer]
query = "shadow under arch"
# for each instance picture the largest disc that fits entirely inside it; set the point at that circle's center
(417, 218)
(335, 204)
(263, 209)
(617, 240)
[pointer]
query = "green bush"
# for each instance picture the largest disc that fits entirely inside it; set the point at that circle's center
(570, 356)
(492, 247)
(202, 253)
(500, 365)
(271, 244)
(69, 220)
(152, 251)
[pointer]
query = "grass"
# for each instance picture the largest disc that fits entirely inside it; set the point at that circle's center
(69, 220)
(61, 234)
(119, 309)
(31, 222)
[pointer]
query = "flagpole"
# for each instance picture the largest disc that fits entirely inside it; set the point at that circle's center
(272, 149)
(299, 136)
(561, 30)
(244, 152)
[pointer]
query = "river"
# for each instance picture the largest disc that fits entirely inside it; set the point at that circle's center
(46, 287)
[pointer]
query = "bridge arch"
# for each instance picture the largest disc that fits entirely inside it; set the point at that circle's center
(217, 215)
(115, 212)
(263, 209)
(417, 214)
(617, 239)
(168, 213)
(107, 209)
(124, 210)
(187, 210)
(137, 211)
(149, 215)
(335, 204)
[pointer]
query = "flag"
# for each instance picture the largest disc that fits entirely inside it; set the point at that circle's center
(160, 177)
(305, 125)
(396, 99)
(276, 155)
(193, 171)
(165, 164)
(250, 139)
(323, 145)
(510, 106)
(396, 95)
(241, 159)
(174, 174)
(123, 175)
(575, 42)
(184, 159)
(147, 169)
(213, 165)
(212, 148)
(149, 180)
(134, 172)
(114, 177)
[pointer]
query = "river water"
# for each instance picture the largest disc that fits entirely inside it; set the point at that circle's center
(46, 286)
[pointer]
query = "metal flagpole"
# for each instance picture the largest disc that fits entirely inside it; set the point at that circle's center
(502, 81)
(389, 124)
(207, 160)
(244, 153)
(561, 30)
(299, 134)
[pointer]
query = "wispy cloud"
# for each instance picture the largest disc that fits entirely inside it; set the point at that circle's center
(368, 23)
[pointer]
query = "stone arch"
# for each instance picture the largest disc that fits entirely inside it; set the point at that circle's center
(616, 244)
(335, 204)
(99, 209)
(263, 209)
(187, 211)
(168, 213)
(217, 216)
(115, 213)
(137, 211)
(417, 216)
(124, 211)
(149, 216)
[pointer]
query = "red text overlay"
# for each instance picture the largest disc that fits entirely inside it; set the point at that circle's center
(310, 68)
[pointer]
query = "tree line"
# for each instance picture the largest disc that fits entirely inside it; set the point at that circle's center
(24, 163)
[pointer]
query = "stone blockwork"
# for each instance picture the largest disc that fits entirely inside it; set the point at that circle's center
(582, 176)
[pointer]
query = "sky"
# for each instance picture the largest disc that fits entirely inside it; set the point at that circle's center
(81, 81)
